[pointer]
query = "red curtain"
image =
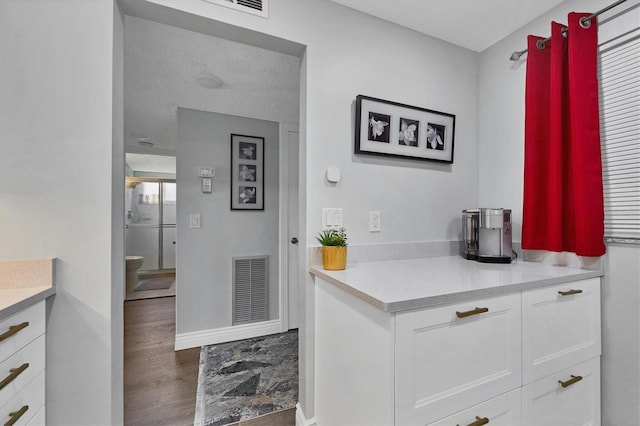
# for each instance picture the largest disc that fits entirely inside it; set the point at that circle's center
(563, 200)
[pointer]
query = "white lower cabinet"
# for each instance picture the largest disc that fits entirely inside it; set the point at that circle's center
(530, 357)
(567, 397)
(22, 366)
(455, 356)
(504, 410)
(560, 327)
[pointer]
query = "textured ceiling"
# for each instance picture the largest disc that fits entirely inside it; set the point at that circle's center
(163, 62)
(474, 24)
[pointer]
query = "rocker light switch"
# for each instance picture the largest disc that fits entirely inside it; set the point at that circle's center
(194, 221)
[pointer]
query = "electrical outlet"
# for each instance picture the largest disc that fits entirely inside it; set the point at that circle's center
(374, 221)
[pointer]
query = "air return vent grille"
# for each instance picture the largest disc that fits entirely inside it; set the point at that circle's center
(255, 7)
(250, 289)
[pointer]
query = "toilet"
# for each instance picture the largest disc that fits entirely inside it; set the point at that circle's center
(133, 263)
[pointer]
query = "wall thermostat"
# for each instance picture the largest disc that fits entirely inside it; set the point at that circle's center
(333, 174)
(206, 185)
(206, 172)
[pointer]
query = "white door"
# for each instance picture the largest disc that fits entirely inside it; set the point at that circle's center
(292, 226)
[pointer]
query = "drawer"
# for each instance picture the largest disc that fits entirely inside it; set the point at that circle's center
(27, 362)
(504, 410)
(38, 419)
(31, 324)
(32, 397)
(445, 363)
(559, 330)
(547, 402)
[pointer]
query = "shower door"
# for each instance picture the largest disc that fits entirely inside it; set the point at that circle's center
(150, 219)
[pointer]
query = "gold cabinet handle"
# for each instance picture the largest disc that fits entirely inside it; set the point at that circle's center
(572, 380)
(479, 421)
(475, 311)
(13, 330)
(569, 292)
(15, 416)
(13, 373)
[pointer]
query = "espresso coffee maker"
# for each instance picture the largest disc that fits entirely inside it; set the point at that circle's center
(487, 235)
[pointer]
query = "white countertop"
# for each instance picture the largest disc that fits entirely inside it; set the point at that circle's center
(24, 283)
(398, 285)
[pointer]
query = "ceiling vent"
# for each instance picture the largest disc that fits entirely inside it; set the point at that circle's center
(255, 7)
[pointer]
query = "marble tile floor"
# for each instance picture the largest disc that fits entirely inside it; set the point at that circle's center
(247, 379)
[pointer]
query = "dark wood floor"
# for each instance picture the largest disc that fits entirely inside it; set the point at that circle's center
(159, 383)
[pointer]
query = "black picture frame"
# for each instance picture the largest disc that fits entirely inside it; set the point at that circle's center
(247, 172)
(393, 129)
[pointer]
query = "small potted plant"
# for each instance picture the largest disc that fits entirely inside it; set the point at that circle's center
(334, 248)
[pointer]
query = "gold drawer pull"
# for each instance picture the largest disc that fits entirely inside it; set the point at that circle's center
(15, 416)
(475, 311)
(569, 292)
(13, 330)
(479, 421)
(13, 373)
(574, 379)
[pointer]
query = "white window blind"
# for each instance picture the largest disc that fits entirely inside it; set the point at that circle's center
(620, 138)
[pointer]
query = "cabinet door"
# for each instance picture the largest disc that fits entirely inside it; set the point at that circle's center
(547, 402)
(560, 327)
(504, 410)
(447, 359)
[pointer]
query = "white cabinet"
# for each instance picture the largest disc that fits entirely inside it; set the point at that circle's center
(22, 366)
(560, 327)
(504, 410)
(455, 356)
(528, 357)
(567, 397)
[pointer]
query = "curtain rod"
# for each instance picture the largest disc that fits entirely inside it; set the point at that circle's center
(584, 22)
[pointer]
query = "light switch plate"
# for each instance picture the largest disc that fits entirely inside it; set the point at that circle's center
(331, 218)
(194, 221)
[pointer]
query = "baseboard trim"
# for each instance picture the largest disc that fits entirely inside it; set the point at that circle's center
(301, 420)
(226, 334)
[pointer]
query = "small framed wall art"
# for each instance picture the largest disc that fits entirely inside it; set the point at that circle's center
(393, 129)
(247, 172)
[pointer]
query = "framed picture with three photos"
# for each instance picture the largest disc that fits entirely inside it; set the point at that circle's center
(247, 172)
(394, 129)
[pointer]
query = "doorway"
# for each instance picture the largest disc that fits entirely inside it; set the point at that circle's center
(150, 226)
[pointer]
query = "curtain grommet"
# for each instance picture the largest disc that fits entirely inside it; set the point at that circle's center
(540, 44)
(585, 23)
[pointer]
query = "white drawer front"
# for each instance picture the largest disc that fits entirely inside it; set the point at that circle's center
(32, 396)
(35, 317)
(559, 331)
(445, 363)
(546, 403)
(504, 410)
(28, 362)
(38, 419)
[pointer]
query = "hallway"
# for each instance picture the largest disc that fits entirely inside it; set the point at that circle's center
(159, 383)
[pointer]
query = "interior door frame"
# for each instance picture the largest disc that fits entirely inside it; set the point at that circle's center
(283, 305)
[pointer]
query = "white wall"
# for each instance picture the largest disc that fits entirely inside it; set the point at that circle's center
(350, 53)
(501, 159)
(204, 256)
(56, 193)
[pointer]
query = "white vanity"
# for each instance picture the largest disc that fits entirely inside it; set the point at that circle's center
(446, 341)
(24, 286)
